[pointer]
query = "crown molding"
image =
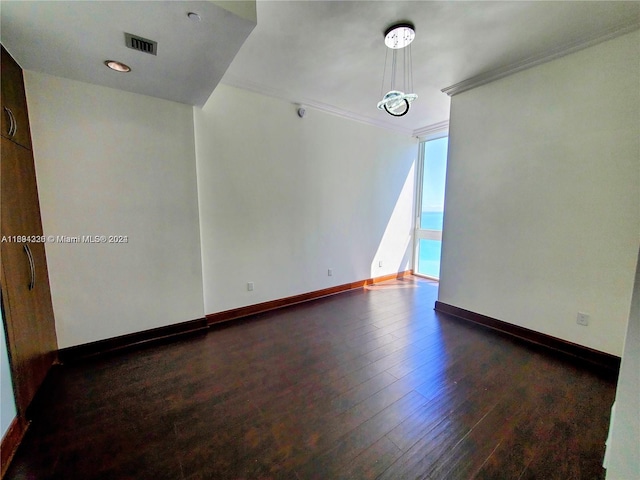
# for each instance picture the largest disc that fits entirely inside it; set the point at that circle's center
(429, 130)
(243, 84)
(432, 131)
(533, 61)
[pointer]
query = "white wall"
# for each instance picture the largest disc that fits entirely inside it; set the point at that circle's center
(116, 163)
(7, 400)
(542, 202)
(283, 199)
(623, 461)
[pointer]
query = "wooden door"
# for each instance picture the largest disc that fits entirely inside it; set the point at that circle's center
(26, 296)
(28, 315)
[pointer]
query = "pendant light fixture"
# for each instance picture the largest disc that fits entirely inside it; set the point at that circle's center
(396, 102)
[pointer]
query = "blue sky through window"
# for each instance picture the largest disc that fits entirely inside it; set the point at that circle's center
(435, 165)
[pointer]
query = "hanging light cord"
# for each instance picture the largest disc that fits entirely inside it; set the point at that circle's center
(394, 63)
(410, 70)
(384, 72)
(404, 69)
(407, 67)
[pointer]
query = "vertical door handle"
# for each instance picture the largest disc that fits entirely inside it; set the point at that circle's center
(32, 267)
(13, 126)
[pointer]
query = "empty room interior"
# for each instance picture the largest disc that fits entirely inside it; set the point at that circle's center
(320, 240)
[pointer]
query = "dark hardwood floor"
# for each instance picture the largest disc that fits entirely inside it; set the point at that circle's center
(369, 384)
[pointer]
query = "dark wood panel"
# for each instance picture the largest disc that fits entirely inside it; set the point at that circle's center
(13, 98)
(368, 384)
(44, 333)
(595, 357)
(29, 323)
(27, 307)
(10, 442)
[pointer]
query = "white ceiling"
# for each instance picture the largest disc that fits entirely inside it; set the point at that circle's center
(72, 39)
(325, 54)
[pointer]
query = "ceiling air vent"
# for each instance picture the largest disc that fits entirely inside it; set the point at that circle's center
(141, 44)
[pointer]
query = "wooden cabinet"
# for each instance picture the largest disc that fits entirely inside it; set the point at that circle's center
(26, 296)
(15, 121)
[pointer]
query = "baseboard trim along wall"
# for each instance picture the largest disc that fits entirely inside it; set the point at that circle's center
(11, 441)
(200, 325)
(602, 360)
(132, 340)
(242, 312)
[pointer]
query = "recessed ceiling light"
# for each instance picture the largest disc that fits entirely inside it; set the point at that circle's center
(117, 66)
(194, 16)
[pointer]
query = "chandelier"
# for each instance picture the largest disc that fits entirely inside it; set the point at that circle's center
(396, 102)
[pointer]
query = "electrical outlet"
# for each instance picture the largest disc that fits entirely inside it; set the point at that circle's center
(380, 263)
(250, 286)
(583, 319)
(330, 273)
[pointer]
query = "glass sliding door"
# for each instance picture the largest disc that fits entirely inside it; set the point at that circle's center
(430, 207)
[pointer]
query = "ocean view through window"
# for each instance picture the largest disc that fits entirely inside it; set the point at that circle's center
(431, 206)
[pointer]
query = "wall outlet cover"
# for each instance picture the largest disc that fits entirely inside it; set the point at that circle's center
(582, 319)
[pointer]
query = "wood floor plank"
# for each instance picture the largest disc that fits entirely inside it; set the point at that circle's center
(371, 462)
(339, 459)
(368, 384)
